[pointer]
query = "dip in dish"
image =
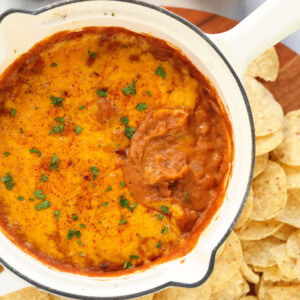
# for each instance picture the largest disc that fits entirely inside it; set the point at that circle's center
(115, 151)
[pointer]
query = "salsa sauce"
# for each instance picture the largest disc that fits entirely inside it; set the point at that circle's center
(115, 152)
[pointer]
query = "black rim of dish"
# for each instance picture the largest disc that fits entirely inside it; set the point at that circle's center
(246, 101)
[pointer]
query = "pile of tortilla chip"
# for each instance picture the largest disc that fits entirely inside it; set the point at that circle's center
(261, 258)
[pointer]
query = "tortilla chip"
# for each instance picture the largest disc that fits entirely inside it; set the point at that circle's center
(247, 211)
(291, 212)
(248, 273)
(265, 66)
(203, 292)
(293, 245)
(288, 151)
(284, 232)
(267, 143)
(267, 113)
(281, 292)
(257, 230)
(235, 288)
(257, 253)
(249, 298)
(272, 274)
(148, 297)
(228, 263)
(260, 163)
(269, 193)
(27, 293)
(286, 264)
(220, 250)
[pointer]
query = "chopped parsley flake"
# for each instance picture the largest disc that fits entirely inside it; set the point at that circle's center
(35, 150)
(141, 106)
(158, 245)
(57, 101)
(73, 232)
(164, 209)
(164, 230)
(54, 162)
(80, 253)
(113, 14)
(57, 129)
(127, 265)
(122, 183)
(160, 72)
(44, 178)
(8, 181)
(122, 47)
(95, 171)
(39, 194)
(100, 222)
(125, 121)
(60, 119)
(13, 112)
(109, 188)
(54, 65)
(78, 129)
(75, 217)
(130, 89)
(169, 92)
(79, 243)
(149, 94)
(82, 225)
(20, 198)
(160, 216)
(56, 214)
(82, 107)
(31, 199)
(104, 204)
(129, 131)
(92, 54)
(123, 222)
(6, 154)
(125, 204)
(45, 204)
(101, 93)
(134, 256)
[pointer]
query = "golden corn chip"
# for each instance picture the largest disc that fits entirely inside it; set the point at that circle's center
(293, 245)
(272, 274)
(283, 291)
(291, 212)
(220, 250)
(249, 298)
(284, 232)
(267, 113)
(288, 151)
(265, 66)
(257, 230)
(235, 288)
(27, 293)
(148, 297)
(203, 292)
(269, 193)
(248, 273)
(257, 253)
(260, 163)
(267, 143)
(287, 265)
(247, 211)
(228, 263)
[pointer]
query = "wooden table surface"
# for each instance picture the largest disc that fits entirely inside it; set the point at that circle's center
(286, 89)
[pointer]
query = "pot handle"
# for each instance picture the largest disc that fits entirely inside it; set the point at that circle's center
(10, 282)
(267, 25)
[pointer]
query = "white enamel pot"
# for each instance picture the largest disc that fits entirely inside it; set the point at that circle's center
(223, 58)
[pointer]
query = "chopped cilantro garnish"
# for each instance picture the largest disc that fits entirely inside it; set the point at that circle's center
(60, 119)
(57, 129)
(158, 245)
(104, 204)
(149, 94)
(82, 225)
(164, 230)
(82, 107)
(122, 47)
(169, 91)
(56, 101)
(134, 256)
(123, 222)
(113, 14)
(45, 204)
(127, 265)
(141, 106)
(125, 204)
(31, 199)
(13, 112)
(79, 243)
(129, 131)
(54, 162)
(44, 178)
(109, 188)
(54, 65)
(73, 232)
(56, 214)
(160, 72)
(6, 154)
(8, 181)
(164, 209)
(130, 89)
(101, 93)
(80, 253)
(122, 183)
(95, 171)
(75, 217)
(160, 216)
(39, 194)
(35, 150)
(99, 222)
(92, 54)
(78, 129)
(20, 198)
(125, 121)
